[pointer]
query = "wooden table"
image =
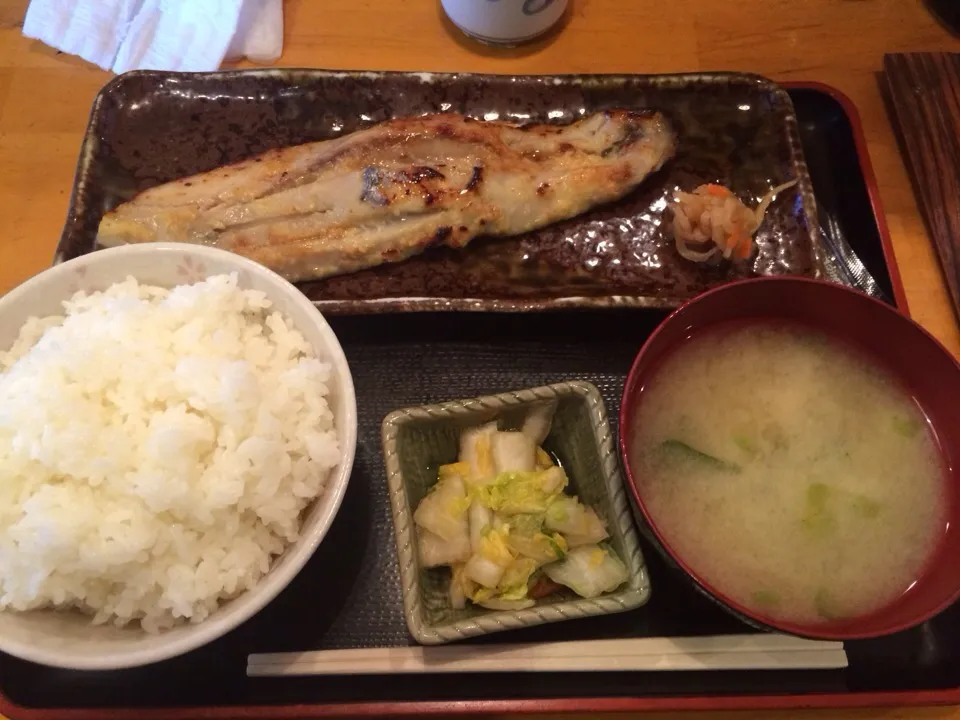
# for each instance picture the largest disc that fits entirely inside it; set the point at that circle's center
(45, 98)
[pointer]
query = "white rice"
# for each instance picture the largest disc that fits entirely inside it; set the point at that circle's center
(157, 448)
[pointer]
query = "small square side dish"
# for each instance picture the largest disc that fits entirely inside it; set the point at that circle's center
(418, 441)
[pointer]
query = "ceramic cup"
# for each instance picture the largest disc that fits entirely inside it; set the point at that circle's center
(504, 22)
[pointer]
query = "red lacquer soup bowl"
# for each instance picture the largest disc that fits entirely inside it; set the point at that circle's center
(908, 353)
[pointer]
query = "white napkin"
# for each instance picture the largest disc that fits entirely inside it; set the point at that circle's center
(259, 33)
(92, 29)
(182, 35)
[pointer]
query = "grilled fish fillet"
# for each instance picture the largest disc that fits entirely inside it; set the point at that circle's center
(388, 192)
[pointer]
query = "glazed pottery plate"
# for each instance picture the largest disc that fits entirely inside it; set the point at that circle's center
(740, 130)
(417, 440)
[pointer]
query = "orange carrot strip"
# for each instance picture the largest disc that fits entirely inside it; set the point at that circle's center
(743, 247)
(716, 190)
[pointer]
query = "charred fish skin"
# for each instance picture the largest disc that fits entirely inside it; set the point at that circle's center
(388, 192)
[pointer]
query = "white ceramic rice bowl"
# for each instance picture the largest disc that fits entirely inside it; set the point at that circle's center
(68, 639)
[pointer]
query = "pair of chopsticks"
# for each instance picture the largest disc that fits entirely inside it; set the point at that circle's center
(722, 652)
(923, 90)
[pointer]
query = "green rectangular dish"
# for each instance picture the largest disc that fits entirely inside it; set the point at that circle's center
(417, 440)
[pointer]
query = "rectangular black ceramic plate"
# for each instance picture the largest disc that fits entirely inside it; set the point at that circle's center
(348, 595)
(740, 130)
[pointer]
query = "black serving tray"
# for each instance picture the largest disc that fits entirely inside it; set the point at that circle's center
(349, 593)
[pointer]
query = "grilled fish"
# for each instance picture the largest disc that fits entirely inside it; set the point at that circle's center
(388, 192)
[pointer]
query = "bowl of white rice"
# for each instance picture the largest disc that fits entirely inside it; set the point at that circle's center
(177, 429)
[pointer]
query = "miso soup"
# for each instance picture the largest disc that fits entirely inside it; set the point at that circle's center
(788, 471)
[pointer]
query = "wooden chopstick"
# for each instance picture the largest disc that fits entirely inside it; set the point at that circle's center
(925, 95)
(721, 652)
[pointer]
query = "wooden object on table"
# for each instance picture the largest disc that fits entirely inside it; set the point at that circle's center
(722, 652)
(925, 95)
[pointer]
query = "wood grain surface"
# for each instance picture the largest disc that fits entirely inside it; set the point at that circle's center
(925, 98)
(45, 99)
(45, 96)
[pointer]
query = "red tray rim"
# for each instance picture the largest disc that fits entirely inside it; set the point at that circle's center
(870, 178)
(949, 696)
